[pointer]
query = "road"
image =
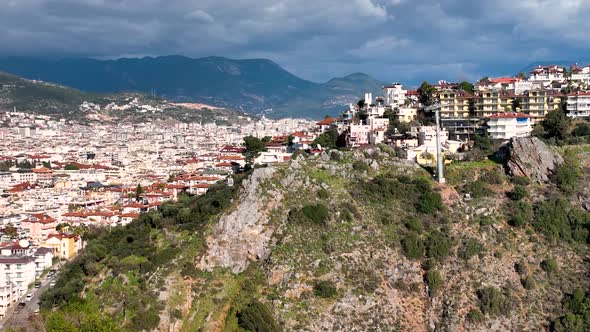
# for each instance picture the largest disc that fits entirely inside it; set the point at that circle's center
(19, 318)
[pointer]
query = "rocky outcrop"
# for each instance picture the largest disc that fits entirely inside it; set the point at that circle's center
(243, 235)
(530, 157)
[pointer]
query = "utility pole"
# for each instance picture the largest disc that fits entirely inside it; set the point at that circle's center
(439, 161)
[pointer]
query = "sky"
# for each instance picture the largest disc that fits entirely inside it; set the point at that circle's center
(406, 41)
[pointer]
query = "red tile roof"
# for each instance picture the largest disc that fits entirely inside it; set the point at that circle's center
(504, 80)
(326, 121)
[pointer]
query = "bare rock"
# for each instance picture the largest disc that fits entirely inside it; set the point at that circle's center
(243, 235)
(530, 157)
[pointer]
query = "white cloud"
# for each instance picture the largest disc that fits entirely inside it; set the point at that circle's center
(200, 16)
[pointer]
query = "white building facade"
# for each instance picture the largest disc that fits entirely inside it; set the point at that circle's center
(508, 125)
(578, 104)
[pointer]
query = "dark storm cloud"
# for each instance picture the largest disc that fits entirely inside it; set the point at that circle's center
(403, 40)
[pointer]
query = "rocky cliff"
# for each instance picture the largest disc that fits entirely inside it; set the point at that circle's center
(530, 157)
(373, 207)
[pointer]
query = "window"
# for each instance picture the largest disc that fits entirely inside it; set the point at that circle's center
(19, 274)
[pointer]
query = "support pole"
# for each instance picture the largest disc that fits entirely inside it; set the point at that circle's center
(439, 161)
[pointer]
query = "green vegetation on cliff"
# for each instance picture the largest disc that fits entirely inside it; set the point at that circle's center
(334, 246)
(117, 279)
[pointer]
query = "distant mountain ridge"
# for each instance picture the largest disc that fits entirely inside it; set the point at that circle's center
(37, 97)
(252, 85)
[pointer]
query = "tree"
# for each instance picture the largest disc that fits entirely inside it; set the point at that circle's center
(515, 104)
(484, 80)
(327, 140)
(289, 140)
(71, 167)
(426, 93)
(138, 192)
(521, 75)
(253, 146)
(465, 86)
(556, 125)
(582, 129)
(492, 301)
(11, 231)
(363, 116)
(361, 103)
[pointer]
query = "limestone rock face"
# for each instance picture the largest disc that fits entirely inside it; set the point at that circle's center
(530, 157)
(243, 235)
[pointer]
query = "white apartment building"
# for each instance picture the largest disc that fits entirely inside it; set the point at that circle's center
(395, 95)
(547, 74)
(19, 270)
(578, 104)
(21, 176)
(508, 125)
(8, 296)
(581, 74)
(43, 260)
(371, 133)
(427, 135)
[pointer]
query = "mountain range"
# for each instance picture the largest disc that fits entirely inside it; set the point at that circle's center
(253, 86)
(37, 97)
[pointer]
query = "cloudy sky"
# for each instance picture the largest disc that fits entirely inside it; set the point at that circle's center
(393, 40)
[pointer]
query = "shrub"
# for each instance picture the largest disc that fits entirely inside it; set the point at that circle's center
(470, 248)
(492, 301)
(412, 246)
(438, 245)
(360, 166)
(520, 180)
(492, 177)
(549, 265)
(566, 175)
(582, 129)
(257, 317)
(477, 189)
(485, 221)
(414, 225)
(521, 268)
(323, 194)
(434, 282)
(325, 289)
(557, 219)
(520, 213)
(576, 319)
(317, 213)
(335, 156)
(430, 202)
(475, 316)
(528, 282)
(518, 193)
